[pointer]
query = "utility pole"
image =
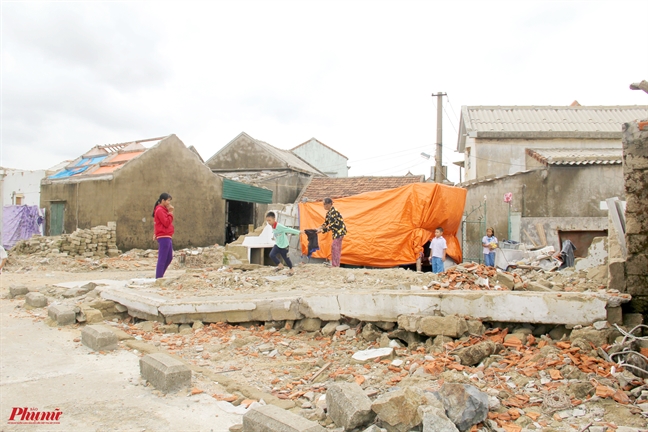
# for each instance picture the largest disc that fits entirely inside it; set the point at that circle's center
(438, 169)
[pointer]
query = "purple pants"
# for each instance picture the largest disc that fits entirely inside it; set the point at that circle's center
(336, 251)
(165, 256)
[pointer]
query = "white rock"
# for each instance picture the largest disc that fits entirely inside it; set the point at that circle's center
(600, 325)
(370, 354)
(397, 363)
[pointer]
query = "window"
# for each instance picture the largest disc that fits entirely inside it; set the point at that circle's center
(19, 199)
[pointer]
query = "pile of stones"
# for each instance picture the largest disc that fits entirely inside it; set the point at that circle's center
(94, 242)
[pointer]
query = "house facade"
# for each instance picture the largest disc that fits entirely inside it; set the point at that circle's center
(121, 182)
(324, 158)
(559, 165)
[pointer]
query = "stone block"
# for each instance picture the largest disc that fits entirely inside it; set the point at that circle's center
(590, 334)
(409, 322)
(464, 404)
(451, 326)
(18, 290)
(614, 315)
(505, 279)
(309, 324)
(434, 418)
(329, 328)
(270, 418)
(348, 405)
(164, 372)
(637, 265)
(98, 338)
(538, 287)
(398, 410)
(92, 316)
(63, 315)
(36, 300)
(474, 354)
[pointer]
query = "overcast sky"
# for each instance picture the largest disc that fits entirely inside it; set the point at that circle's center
(356, 75)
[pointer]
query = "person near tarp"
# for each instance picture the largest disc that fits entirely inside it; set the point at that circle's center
(163, 224)
(3, 258)
(282, 245)
(489, 243)
(438, 247)
(334, 223)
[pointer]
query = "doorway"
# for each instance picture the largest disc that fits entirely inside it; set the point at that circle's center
(57, 215)
(582, 240)
(239, 219)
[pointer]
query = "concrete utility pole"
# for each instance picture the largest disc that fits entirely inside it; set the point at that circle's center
(438, 169)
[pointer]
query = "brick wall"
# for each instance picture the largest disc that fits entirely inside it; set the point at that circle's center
(635, 172)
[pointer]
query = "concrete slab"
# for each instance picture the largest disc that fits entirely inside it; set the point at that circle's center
(570, 308)
(269, 418)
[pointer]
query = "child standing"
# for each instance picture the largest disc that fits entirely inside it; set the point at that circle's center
(489, 242)
(163, 220)
(438, 248)
(281, 242)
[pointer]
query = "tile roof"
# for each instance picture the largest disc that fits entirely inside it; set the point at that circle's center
(102, 160)
(597, 122)
(582, 156)
(339, 187)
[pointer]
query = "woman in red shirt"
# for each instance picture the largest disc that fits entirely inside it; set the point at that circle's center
(163, 222)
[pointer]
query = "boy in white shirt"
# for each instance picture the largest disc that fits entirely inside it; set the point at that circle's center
(438, 248)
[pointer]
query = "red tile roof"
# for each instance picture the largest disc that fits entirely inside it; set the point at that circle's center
(340, 187)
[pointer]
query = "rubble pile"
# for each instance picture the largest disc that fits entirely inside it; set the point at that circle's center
(95, 242)
(352, 374)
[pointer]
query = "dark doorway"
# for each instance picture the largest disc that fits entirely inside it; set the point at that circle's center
(240, 216)
(581, 239)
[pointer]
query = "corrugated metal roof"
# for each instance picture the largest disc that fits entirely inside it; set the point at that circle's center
(583, 156)
(550, 118)
(236, 191)
(545, 122)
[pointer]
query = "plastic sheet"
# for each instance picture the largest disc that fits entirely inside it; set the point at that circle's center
(19, 223)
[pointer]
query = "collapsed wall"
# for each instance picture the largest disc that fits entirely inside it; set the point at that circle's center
(97, 242)
(635, 172)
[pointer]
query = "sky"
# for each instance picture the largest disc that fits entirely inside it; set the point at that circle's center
(357, 75)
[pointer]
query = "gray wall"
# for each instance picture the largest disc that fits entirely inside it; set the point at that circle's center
(129, 197)
(553, 192)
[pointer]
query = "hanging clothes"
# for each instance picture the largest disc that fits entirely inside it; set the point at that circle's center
(313, 242)
(567, 254)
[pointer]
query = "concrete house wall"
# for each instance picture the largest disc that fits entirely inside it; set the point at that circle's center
(561, 198)
(323, 158)
(501, 157)
(23, 182)
(129, 194)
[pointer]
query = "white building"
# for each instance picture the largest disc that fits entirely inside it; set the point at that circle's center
(324, 158)
(22, 187)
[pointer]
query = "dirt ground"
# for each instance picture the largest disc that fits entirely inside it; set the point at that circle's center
(274, 362)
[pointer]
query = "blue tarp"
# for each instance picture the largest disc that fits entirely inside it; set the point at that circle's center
(79, 167)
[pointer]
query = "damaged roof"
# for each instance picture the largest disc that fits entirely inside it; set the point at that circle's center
(529, 122)
(103, 159)
(583, 156)
(340, 187)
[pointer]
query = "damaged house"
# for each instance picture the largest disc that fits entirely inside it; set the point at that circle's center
(121, 182)
(251, 161)
(541, 174)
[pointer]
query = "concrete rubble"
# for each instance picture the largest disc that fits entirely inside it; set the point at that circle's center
(473, 348)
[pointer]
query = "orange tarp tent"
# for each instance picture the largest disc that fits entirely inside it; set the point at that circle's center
(390, 227)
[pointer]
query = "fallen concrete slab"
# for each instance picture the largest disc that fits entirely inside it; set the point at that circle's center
(570, 308)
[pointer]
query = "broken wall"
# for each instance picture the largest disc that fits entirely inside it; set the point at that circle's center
(560, 198)
(635, 170)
